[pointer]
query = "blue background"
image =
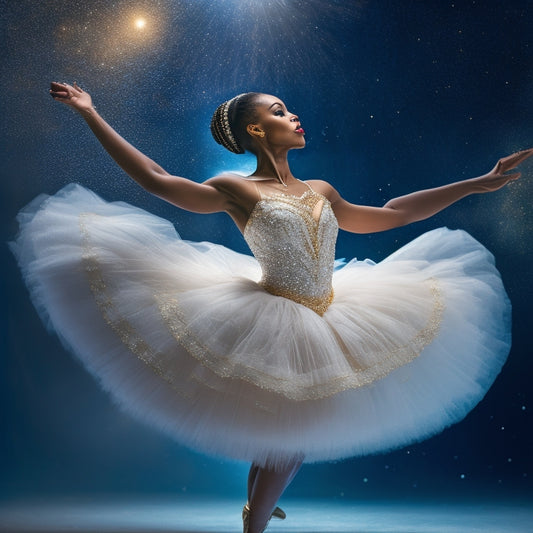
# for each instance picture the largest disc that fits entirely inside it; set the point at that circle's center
(394, 96)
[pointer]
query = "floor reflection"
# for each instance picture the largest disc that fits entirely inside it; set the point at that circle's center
(303, 516)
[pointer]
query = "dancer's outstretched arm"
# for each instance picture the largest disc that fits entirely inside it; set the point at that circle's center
(422, 204)
(187, 194)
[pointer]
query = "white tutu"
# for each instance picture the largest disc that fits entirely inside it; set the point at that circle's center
(183, 336)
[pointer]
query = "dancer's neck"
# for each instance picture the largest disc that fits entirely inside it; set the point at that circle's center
(274, 166)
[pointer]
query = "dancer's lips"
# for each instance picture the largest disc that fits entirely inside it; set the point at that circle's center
(300, 130)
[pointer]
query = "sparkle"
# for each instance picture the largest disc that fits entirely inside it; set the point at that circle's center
(140, 23)
(268, 37)
(108, 37)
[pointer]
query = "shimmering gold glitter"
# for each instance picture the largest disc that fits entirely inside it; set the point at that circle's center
(297, 387)
(293, 238)
(318, 305)
(124, 330)
(290, 243)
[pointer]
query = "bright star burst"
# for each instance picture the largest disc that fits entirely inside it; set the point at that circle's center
(276, 40)
(108, 35)
(140, 23)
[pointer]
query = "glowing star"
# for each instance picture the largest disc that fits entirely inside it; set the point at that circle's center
(140, 23)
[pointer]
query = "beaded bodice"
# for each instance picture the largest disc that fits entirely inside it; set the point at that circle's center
(293, 239)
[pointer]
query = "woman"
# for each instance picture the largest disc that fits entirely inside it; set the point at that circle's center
(276, 359)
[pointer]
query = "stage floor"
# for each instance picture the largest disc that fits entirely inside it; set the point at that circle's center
(308, 516)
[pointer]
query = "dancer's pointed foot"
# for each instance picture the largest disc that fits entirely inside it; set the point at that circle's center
(279, 513)
(245, 518)
(276, 513)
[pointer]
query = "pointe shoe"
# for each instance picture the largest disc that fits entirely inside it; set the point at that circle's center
(245, 518)
(279, 513)
(276, 513)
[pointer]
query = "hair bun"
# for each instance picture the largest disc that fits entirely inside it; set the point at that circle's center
(221, 128)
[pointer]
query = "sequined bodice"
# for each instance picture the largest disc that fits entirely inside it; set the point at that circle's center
(293, 238)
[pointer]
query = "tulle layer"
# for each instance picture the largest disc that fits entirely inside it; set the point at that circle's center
(183, 336)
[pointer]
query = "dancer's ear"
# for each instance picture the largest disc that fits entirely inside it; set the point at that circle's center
(255, 130)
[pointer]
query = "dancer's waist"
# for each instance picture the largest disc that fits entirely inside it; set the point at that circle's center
(319, 304)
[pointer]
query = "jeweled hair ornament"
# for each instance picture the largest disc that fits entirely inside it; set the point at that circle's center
(221, 129)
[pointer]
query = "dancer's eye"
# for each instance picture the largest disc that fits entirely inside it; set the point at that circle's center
(279, 113)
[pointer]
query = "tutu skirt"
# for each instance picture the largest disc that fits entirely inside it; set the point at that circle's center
(183, 337)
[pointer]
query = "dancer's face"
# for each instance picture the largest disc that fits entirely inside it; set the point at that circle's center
(282, 128)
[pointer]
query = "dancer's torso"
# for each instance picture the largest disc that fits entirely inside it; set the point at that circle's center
(293, 238)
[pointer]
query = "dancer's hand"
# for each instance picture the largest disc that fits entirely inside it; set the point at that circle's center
(71, 95)
(497, 177)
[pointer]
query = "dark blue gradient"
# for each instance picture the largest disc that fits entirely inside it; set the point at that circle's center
(394, 96)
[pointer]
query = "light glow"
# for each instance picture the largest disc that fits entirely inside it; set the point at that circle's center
(111, 36)
(215, 515)
(140, 23)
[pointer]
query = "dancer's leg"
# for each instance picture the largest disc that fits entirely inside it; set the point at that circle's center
(266, 485)
(251, 479)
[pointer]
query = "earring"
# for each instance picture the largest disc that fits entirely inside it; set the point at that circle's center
(261, 133)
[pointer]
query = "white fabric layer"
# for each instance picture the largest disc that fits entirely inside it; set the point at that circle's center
(183, 336)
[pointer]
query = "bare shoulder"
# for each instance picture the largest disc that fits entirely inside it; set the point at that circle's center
(230, 183)
(223, 180)
(325, 189)
(241, 192)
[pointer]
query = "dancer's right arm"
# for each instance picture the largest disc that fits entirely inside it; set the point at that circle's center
(187, 194)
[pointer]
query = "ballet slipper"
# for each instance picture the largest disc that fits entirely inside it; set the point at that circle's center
(245, 518)
(276, 513)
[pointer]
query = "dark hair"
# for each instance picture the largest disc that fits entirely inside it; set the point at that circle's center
(229, 121)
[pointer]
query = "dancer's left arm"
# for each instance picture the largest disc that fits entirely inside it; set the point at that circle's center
(422, 204)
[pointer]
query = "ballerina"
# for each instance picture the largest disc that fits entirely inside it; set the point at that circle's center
(276, 359)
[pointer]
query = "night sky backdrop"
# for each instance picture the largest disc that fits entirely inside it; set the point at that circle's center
(394, 96)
